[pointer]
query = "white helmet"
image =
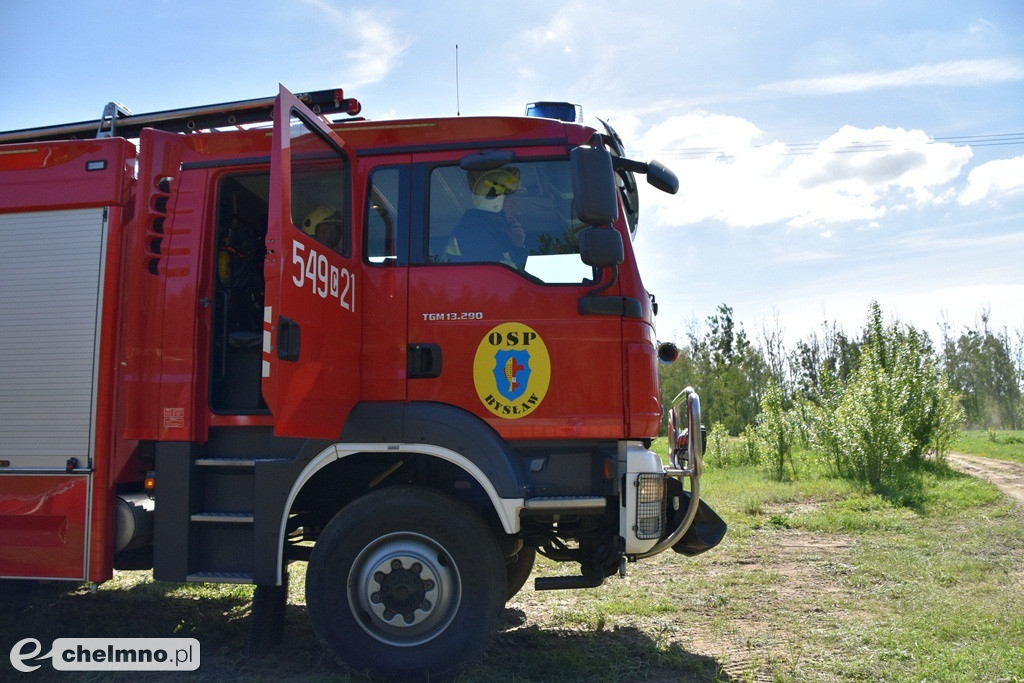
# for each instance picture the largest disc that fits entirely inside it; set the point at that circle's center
(490, 187)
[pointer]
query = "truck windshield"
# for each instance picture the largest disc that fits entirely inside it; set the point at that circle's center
(519, 216)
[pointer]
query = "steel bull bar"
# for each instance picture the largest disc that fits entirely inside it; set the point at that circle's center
(699, 528)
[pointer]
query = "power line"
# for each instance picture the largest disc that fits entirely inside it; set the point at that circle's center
(806, 148)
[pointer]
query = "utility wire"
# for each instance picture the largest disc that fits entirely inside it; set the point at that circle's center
(806, 148)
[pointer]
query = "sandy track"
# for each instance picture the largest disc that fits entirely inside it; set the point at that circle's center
(1007, 476)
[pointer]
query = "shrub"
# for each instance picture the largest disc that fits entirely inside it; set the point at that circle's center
(775, 434)
(895, 407)
(716, 450)
(749, 448)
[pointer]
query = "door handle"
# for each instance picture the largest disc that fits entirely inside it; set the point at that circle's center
(424, 361)
(289, 339)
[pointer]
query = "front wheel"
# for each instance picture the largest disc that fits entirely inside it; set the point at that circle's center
(518, 570)
(405, 581)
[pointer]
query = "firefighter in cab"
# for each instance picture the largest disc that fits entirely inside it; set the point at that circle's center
(489, 231)
(324, 225)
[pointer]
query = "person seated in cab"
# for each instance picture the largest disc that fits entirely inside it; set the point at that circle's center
(324, 224)
(489, 232)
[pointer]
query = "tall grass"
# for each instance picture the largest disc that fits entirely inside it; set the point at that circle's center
(1003, 445)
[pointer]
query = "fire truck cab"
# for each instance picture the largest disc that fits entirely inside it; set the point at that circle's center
(412, 353)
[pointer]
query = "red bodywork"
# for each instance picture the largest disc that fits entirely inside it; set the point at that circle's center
(43, 526)
(153, 369)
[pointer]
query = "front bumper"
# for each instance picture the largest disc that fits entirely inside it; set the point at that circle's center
(659, 513)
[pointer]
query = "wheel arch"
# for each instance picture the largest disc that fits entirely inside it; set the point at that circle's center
(505, 510)
(423, 422)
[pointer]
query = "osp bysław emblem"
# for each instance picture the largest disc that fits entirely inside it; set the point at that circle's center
(511, 370)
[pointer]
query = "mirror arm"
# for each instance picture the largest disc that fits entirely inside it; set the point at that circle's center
(622, 163)
(614, 278)
(657, 175)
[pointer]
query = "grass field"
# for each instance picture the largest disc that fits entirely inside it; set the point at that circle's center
(817, 580)
(1004, 445)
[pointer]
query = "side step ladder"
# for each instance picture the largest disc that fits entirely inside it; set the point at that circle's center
(205, 516)
(225, 528)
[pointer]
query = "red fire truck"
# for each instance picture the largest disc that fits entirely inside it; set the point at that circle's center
(411, 353)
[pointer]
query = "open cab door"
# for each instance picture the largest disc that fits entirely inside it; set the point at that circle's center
(311, 322)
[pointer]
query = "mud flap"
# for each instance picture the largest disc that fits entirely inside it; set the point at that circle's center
(705, 533)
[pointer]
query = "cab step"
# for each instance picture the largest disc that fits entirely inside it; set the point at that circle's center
(219, 577)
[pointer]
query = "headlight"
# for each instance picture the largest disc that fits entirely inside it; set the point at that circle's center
(650, 505)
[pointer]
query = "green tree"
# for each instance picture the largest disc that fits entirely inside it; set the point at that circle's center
(730, 371)
(725, 367)
(817, 360)
(981, 367)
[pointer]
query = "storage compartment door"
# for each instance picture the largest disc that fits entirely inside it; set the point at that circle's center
(43, 525)
(50, 291)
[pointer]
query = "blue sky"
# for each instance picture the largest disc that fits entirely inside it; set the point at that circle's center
(829, 153)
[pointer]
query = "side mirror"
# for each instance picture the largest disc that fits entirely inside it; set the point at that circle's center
(601, 247)
(593, 185)
(660, 177)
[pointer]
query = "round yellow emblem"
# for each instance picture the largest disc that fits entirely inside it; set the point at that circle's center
(511, 370)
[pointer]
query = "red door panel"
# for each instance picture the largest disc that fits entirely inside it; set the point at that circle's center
(311, 372)
(489, 321)
(497, 298)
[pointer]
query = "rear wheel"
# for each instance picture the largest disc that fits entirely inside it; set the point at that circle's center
(405, 581)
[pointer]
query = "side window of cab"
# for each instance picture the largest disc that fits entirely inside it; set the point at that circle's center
(319, 189)
(385, 242)
(518, 216)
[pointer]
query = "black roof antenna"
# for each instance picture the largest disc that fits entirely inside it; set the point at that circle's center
(458, 106)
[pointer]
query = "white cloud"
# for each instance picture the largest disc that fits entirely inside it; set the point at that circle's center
(922, 307)
(980, 25)
(376, 47)
(965, 72)
(325, 7)
(873, 163)
(561, 29)
(700, 133)
(995, 179)
(729, 171)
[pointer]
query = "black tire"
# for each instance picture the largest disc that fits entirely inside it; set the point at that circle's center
(518, 571)
(405, 582)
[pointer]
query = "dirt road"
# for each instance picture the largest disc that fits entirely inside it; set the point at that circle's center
(810, 583)
(1007, 476)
